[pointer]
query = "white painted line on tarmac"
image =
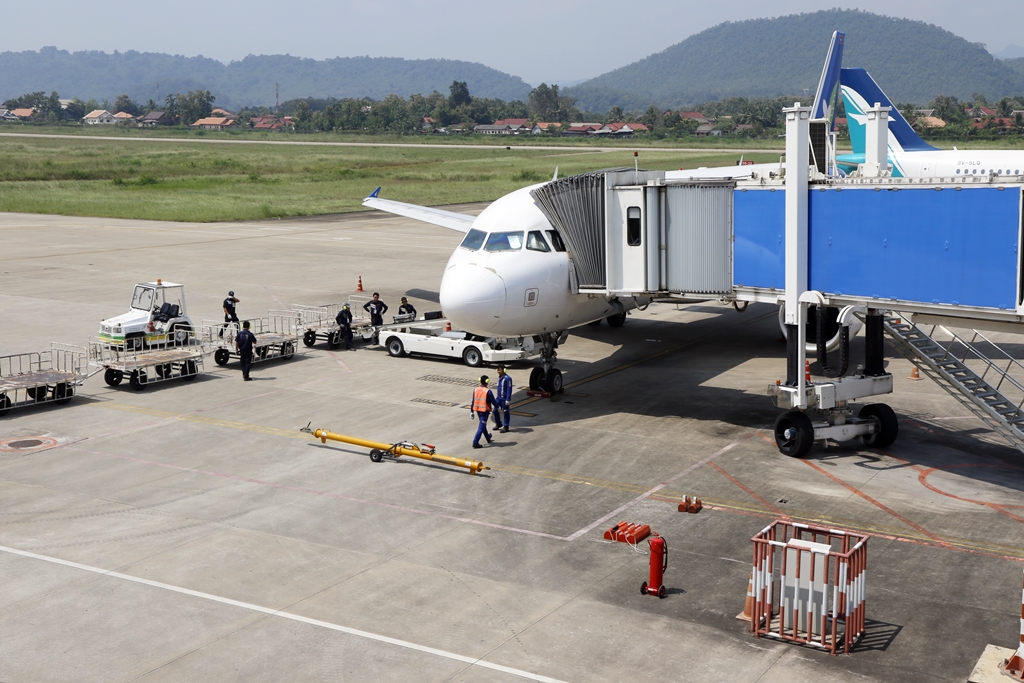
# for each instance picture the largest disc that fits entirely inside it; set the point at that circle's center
(288, 615)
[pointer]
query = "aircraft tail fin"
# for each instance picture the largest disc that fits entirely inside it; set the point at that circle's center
(861, 92)
(822, 107)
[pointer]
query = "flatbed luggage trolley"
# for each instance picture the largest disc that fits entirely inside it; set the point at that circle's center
(28, 379)
(320, 322)
(276, 337)
(180, 358)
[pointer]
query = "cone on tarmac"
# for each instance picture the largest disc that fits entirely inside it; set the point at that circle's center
(748, 605)
(359, 288)
(807, 371)
(447, 327)
(915, 374)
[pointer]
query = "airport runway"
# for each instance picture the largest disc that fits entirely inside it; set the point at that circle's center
(191, 532)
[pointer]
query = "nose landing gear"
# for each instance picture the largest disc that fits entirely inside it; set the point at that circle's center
(548, 378)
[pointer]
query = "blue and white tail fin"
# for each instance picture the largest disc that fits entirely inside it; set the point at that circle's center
(822, 106)
(861, 92)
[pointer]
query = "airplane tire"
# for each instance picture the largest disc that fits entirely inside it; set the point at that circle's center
(553, 381)
(536, 376)
(794, 434)
(617, 320)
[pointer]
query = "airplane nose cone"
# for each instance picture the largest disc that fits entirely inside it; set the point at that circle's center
(473, 297)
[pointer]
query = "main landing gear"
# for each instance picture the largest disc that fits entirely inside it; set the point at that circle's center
(548, 378)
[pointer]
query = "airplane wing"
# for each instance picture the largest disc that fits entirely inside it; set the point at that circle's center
(446, 219)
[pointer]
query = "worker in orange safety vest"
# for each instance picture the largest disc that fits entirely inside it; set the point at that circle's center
(483, 404)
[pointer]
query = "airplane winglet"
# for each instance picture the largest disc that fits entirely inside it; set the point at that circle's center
(822, 107)
(374, 194)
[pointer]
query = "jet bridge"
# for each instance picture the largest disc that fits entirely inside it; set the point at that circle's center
(870, 248)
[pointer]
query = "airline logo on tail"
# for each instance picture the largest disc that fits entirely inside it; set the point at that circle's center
(860, 92)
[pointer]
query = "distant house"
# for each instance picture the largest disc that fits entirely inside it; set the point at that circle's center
(929, 122)
(545, 127)
(579, 129)
(694, 116)
(24, 114)
(266, 122)
(980, 111)
(742, 127)
(223, 113)
(620, 129)
(123, 118)
(493, 129)
(428, 123)
(516, 125)
(214, 123)
(706, 129)
(99, 117)
(156, 118)
(1000, 123)
(841, 121)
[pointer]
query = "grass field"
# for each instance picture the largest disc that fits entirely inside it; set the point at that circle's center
(212, 182)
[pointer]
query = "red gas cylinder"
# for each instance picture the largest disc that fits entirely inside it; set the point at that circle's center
(659, 563)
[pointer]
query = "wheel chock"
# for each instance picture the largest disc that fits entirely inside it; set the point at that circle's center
(626, 532)
(691, 505)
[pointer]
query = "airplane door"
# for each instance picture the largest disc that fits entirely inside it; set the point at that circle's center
(626, 251)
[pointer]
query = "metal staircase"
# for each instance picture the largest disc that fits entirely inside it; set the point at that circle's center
(964, 368)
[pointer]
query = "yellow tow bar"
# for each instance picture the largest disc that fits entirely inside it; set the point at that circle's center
(378, 450)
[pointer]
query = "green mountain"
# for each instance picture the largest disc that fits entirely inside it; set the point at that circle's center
(912, 61)
(145, 75)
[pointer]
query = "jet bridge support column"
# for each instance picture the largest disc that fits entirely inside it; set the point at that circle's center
(797, 176)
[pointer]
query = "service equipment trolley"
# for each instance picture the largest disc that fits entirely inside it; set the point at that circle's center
(28, 379)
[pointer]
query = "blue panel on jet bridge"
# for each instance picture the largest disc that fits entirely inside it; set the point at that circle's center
(948, 246)
(759, 250)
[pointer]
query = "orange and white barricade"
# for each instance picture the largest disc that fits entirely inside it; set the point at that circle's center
(819, 596)
(1015, 664)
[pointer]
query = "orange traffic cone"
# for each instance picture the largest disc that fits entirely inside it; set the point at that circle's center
(359, 287)
(915, 373)
(748, 605)
(448, 327)
(807, 371)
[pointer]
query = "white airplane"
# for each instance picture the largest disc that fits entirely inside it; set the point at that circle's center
(909, 155)
(510, 277)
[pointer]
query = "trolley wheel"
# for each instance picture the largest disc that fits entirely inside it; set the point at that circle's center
(617, 320)
(137, 380)
(5, 405)
(309, 338)
(113, 377)
(536, 377)
(287, 350)
(221, 357)
(553, 381)
(472, 357)
(794, 433)
(189, 371)
(376, 455)
(643, 588)
(31, 391)
(180, 334)
(261, 352)
(662, 592)
(163, 371)
(63, 393)
(334, 338)
(395, 347)
(888, 426)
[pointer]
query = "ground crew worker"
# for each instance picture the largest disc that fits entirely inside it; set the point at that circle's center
(377, 309)
(406, 308)
(245, 342)
(483, 403)
(503, 400)
(344, 320)
(229, 312)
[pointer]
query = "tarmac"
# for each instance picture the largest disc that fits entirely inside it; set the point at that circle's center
(190, 531)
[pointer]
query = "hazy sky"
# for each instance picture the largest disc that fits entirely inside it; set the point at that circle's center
(555, 41)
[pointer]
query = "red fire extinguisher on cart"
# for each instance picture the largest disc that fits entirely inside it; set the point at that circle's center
(659, 563)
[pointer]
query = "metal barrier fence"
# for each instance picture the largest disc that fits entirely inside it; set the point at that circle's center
(819, 585)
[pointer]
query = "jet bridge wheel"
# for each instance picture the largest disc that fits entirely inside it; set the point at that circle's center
(794, 434)
(617, 320)
(309, 338)
(888, 425)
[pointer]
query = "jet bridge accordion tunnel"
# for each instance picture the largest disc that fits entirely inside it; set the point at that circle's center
(943, 246)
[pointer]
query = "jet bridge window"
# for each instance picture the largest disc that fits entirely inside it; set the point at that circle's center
(535, 241)
(556, 240)
(474, 240)
(504, 241)
(633, 230)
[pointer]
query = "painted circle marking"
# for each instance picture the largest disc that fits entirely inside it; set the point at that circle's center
(26, 444)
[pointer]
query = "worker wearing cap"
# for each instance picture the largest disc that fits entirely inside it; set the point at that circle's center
(483, 404)
(245, 343)
(406, 308)
(503, 400)
(229, 312)
(344, 320)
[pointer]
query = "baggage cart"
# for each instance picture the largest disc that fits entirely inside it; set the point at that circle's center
(53, 376)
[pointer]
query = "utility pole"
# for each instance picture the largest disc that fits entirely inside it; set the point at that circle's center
(277, 98)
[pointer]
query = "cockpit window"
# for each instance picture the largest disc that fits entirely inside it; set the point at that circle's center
(142, 299)
(474, 240)
(556, 240)
(504, 241)
(535, 241)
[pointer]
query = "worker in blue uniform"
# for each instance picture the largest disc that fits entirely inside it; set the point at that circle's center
(376, 308)
(229, 311)
(406, 308)
(503, 400)
(245, 343)
(483, 404)
(344, 320)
